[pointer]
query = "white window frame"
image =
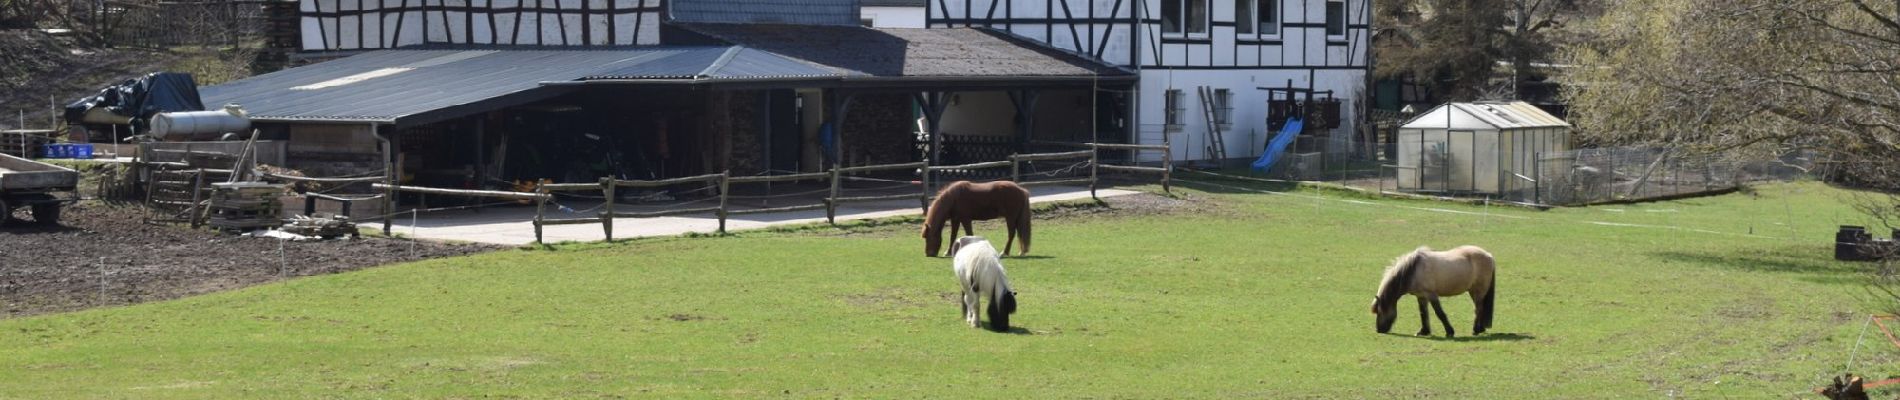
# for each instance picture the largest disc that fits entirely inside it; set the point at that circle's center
(1207, 19)
(1255, 7)
(1345, 20)
(1174, 110)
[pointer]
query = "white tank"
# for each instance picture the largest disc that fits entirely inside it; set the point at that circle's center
(173, 124)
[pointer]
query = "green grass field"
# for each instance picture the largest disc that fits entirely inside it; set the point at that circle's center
(1241, 294)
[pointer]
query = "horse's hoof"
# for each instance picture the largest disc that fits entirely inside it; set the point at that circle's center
(1424, 333)
(1449, 335)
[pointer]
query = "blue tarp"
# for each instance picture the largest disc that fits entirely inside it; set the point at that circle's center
(1278, 144)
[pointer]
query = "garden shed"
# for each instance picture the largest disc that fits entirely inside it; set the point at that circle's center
(1477, 148)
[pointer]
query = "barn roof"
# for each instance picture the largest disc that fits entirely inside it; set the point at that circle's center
(916, 54)
(421, 86)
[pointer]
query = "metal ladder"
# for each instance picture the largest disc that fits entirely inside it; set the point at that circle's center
(1216, 148)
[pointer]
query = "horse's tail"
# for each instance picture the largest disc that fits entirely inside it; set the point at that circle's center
(1026, 214)
(1488, 304)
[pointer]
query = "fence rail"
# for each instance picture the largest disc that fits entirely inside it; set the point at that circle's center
(833, 177)
(185, 186)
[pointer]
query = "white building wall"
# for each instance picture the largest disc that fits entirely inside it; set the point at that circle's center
(369, 24)
(1300, 52)
(1098, 28)
(1248, 136)
(894, 17)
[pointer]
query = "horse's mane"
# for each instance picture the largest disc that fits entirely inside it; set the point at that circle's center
(935, 215)
(1398, 277)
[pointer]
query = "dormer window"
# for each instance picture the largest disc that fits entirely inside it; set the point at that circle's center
(1184, 17)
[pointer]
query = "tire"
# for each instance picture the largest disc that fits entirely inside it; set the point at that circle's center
(46, 214)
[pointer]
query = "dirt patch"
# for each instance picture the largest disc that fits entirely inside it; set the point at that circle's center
(1143, 203)
(64, 268)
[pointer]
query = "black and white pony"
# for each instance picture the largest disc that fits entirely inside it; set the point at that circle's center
(1429, 275)
(979, 269)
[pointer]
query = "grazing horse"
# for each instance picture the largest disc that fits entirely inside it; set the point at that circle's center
(979, 270)
(961, 202)
(1429, 275)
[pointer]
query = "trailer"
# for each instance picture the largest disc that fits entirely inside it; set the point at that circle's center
(39, 186)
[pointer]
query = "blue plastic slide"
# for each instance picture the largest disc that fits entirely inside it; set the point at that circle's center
(1279, 143)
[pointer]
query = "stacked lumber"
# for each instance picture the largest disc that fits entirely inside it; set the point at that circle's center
(244, 206)
(24, 143)
(327, 228)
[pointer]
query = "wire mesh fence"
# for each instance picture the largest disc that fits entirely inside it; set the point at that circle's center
(1572, 177)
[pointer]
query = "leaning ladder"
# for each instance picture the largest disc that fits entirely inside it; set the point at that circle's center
(1216, 149)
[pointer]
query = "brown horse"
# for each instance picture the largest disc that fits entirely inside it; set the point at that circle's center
(961, 202)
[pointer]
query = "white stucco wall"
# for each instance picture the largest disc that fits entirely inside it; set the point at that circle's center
(1249, 134)
(894, 17)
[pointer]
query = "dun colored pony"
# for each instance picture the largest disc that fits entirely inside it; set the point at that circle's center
(980, 271)
(1429, 275)
(961, 202)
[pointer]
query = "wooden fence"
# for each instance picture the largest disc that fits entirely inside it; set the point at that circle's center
(834, 177)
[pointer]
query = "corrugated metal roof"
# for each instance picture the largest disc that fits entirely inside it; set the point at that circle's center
(396, 86)
(910, 52)
(800, 12)
(1501, 115)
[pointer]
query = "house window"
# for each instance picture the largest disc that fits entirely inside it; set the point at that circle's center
(1176, 102)
(1223, 108)
(1257, 17)
(1335, 18)
(1184, 16)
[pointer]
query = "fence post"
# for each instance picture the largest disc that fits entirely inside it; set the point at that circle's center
(310, 205)
(1095, 155)
(925, 199)
(1537, 177)
(540, 208)
(607, 216)
(197, 189)
(1015, 169)
(831, 203)
(725, 193)
(1167, 169)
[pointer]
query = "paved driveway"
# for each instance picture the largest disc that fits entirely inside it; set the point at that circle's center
(513, 226)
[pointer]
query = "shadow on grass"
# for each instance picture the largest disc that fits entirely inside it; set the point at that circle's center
(1013, 330)
(1488, 337)
(1819, 266)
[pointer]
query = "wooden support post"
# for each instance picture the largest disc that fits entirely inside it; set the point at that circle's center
(197, 188)
(831, 203)
(725, 194)
(607, 216)
(540, 211)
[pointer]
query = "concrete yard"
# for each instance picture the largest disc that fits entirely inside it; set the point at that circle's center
(513, 225)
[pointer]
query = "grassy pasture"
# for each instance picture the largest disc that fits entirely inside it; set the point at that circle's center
(1240, 294)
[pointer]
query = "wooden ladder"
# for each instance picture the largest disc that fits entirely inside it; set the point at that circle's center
(1216, 149)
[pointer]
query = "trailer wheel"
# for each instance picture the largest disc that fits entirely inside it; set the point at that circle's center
(46, 214)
